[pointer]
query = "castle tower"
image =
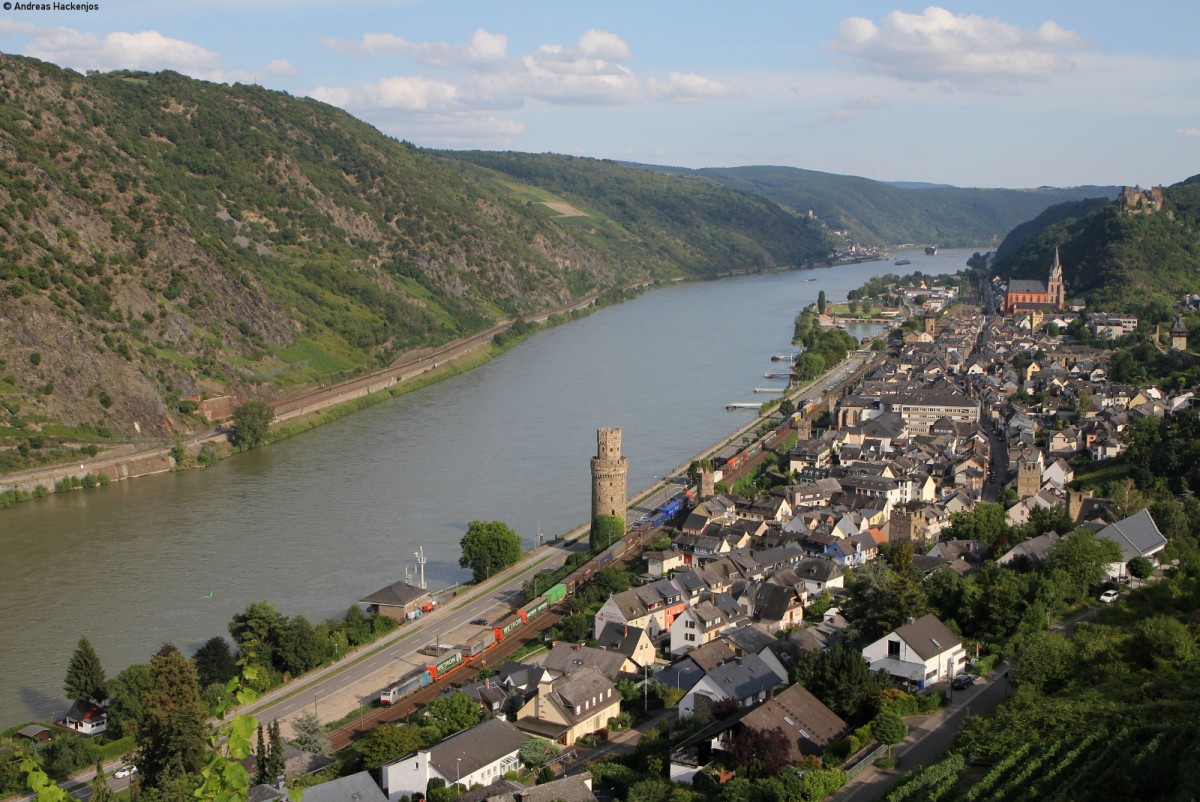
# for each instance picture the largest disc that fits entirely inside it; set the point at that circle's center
(708, 484)
(804, 428)
(609, 470)
(1179, 334)
(1029, 476)
(930, 323)
(1075, 501)
(1056, 293)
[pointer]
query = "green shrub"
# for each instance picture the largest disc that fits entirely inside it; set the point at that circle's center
(207, 455)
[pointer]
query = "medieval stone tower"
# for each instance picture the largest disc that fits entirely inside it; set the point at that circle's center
(1029, 475)
(1179, 334)
(930, 323)
(609, 470)
(1056, 292)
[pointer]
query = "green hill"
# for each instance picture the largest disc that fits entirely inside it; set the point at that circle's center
(1115, 257)
(885, 214)
(163, 238)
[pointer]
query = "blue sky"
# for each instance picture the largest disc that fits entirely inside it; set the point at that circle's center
(1009, 94)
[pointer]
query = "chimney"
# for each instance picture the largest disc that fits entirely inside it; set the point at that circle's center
(911, 620)
(627, 630)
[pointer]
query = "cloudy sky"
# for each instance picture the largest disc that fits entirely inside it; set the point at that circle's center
(970, 93)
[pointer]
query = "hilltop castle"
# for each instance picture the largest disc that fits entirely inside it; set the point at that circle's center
(1034, 296)
(1136, 200)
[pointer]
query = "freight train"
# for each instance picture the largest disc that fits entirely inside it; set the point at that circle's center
(452, 661)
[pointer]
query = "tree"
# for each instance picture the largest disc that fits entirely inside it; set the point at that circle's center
(451, 714)
(606, 530)
(275, 760)
(538, 752)
(300, 647)
(309, 734)
(488, 548)
(1045, 660)
(215, 663)
(256, 631)
(1082, 560)
(85, 676)
(889, 728)
(100, 790)
(787, 408)
(1140, 567)
(882, 599)
(251, 422)
(171, 741)
(760, 753)
(261, 774)
(387, 742)
(821, 302)
(125, 692)
(841, 679)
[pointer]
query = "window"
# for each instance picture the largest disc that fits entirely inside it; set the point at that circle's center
(690, 636)
(690, 624)
(894, 649)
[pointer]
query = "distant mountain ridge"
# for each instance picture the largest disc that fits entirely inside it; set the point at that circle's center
(888, 214)
(1117, 256)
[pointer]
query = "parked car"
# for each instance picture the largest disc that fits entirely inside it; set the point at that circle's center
(962, 682)
(125, 771)
(480, 621)
(1109, 596)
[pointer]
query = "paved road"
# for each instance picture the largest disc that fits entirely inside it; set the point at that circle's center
(929, 737)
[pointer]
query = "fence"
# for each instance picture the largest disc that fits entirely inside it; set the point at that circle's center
(866, 760)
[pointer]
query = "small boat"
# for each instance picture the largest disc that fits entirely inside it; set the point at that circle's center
(903, 262)
(930, 250)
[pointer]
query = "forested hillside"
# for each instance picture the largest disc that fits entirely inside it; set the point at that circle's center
(165, 238)
(1116, 258)
(885, 214)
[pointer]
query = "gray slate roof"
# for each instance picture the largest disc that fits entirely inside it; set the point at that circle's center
(928, 636)
(396, 594)
(744, 677)
(1137, 535)
(354, 788)
(477, 747)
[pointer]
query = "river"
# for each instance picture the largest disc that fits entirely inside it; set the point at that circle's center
(318, 521)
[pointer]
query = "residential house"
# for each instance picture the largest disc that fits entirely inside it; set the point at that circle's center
(918, 653)
(358, 787)
(398, 600)
(697, 625)
(744, 680)
(808, 724)
(567, 658)
(1138, 536)
(481, 754)
(631, 642)
(86, 718)
(570, 707)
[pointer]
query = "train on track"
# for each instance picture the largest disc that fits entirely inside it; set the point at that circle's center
(453, 660)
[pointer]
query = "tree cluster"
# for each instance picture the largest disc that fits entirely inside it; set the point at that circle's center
(488, 548)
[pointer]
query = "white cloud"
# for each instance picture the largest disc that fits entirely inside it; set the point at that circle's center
(144, 50)
(1189, 132)
(688, 87)
(400, 93)
(280, 66)
(957, 51)
(483, 48)
(603, 45)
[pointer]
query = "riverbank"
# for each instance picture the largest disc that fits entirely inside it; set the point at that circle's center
(307, 409)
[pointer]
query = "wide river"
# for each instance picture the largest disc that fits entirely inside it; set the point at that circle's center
(316, 522)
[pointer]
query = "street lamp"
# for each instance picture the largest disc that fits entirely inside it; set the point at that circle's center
(316, 696)
(458, 770)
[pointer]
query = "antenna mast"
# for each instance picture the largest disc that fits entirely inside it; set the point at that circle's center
(421, 563)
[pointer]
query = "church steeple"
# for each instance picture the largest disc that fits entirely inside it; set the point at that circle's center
(1055, 291)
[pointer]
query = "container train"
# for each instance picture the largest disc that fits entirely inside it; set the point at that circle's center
(452, 661)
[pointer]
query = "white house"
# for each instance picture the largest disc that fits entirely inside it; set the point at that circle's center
(86, 719)
(918, 653)
(1138, 536)
(480, 755)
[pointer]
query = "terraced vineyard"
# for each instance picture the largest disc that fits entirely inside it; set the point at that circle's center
(1124, 764)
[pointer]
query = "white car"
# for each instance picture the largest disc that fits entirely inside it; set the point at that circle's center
(1109, 596)
(125, 771)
